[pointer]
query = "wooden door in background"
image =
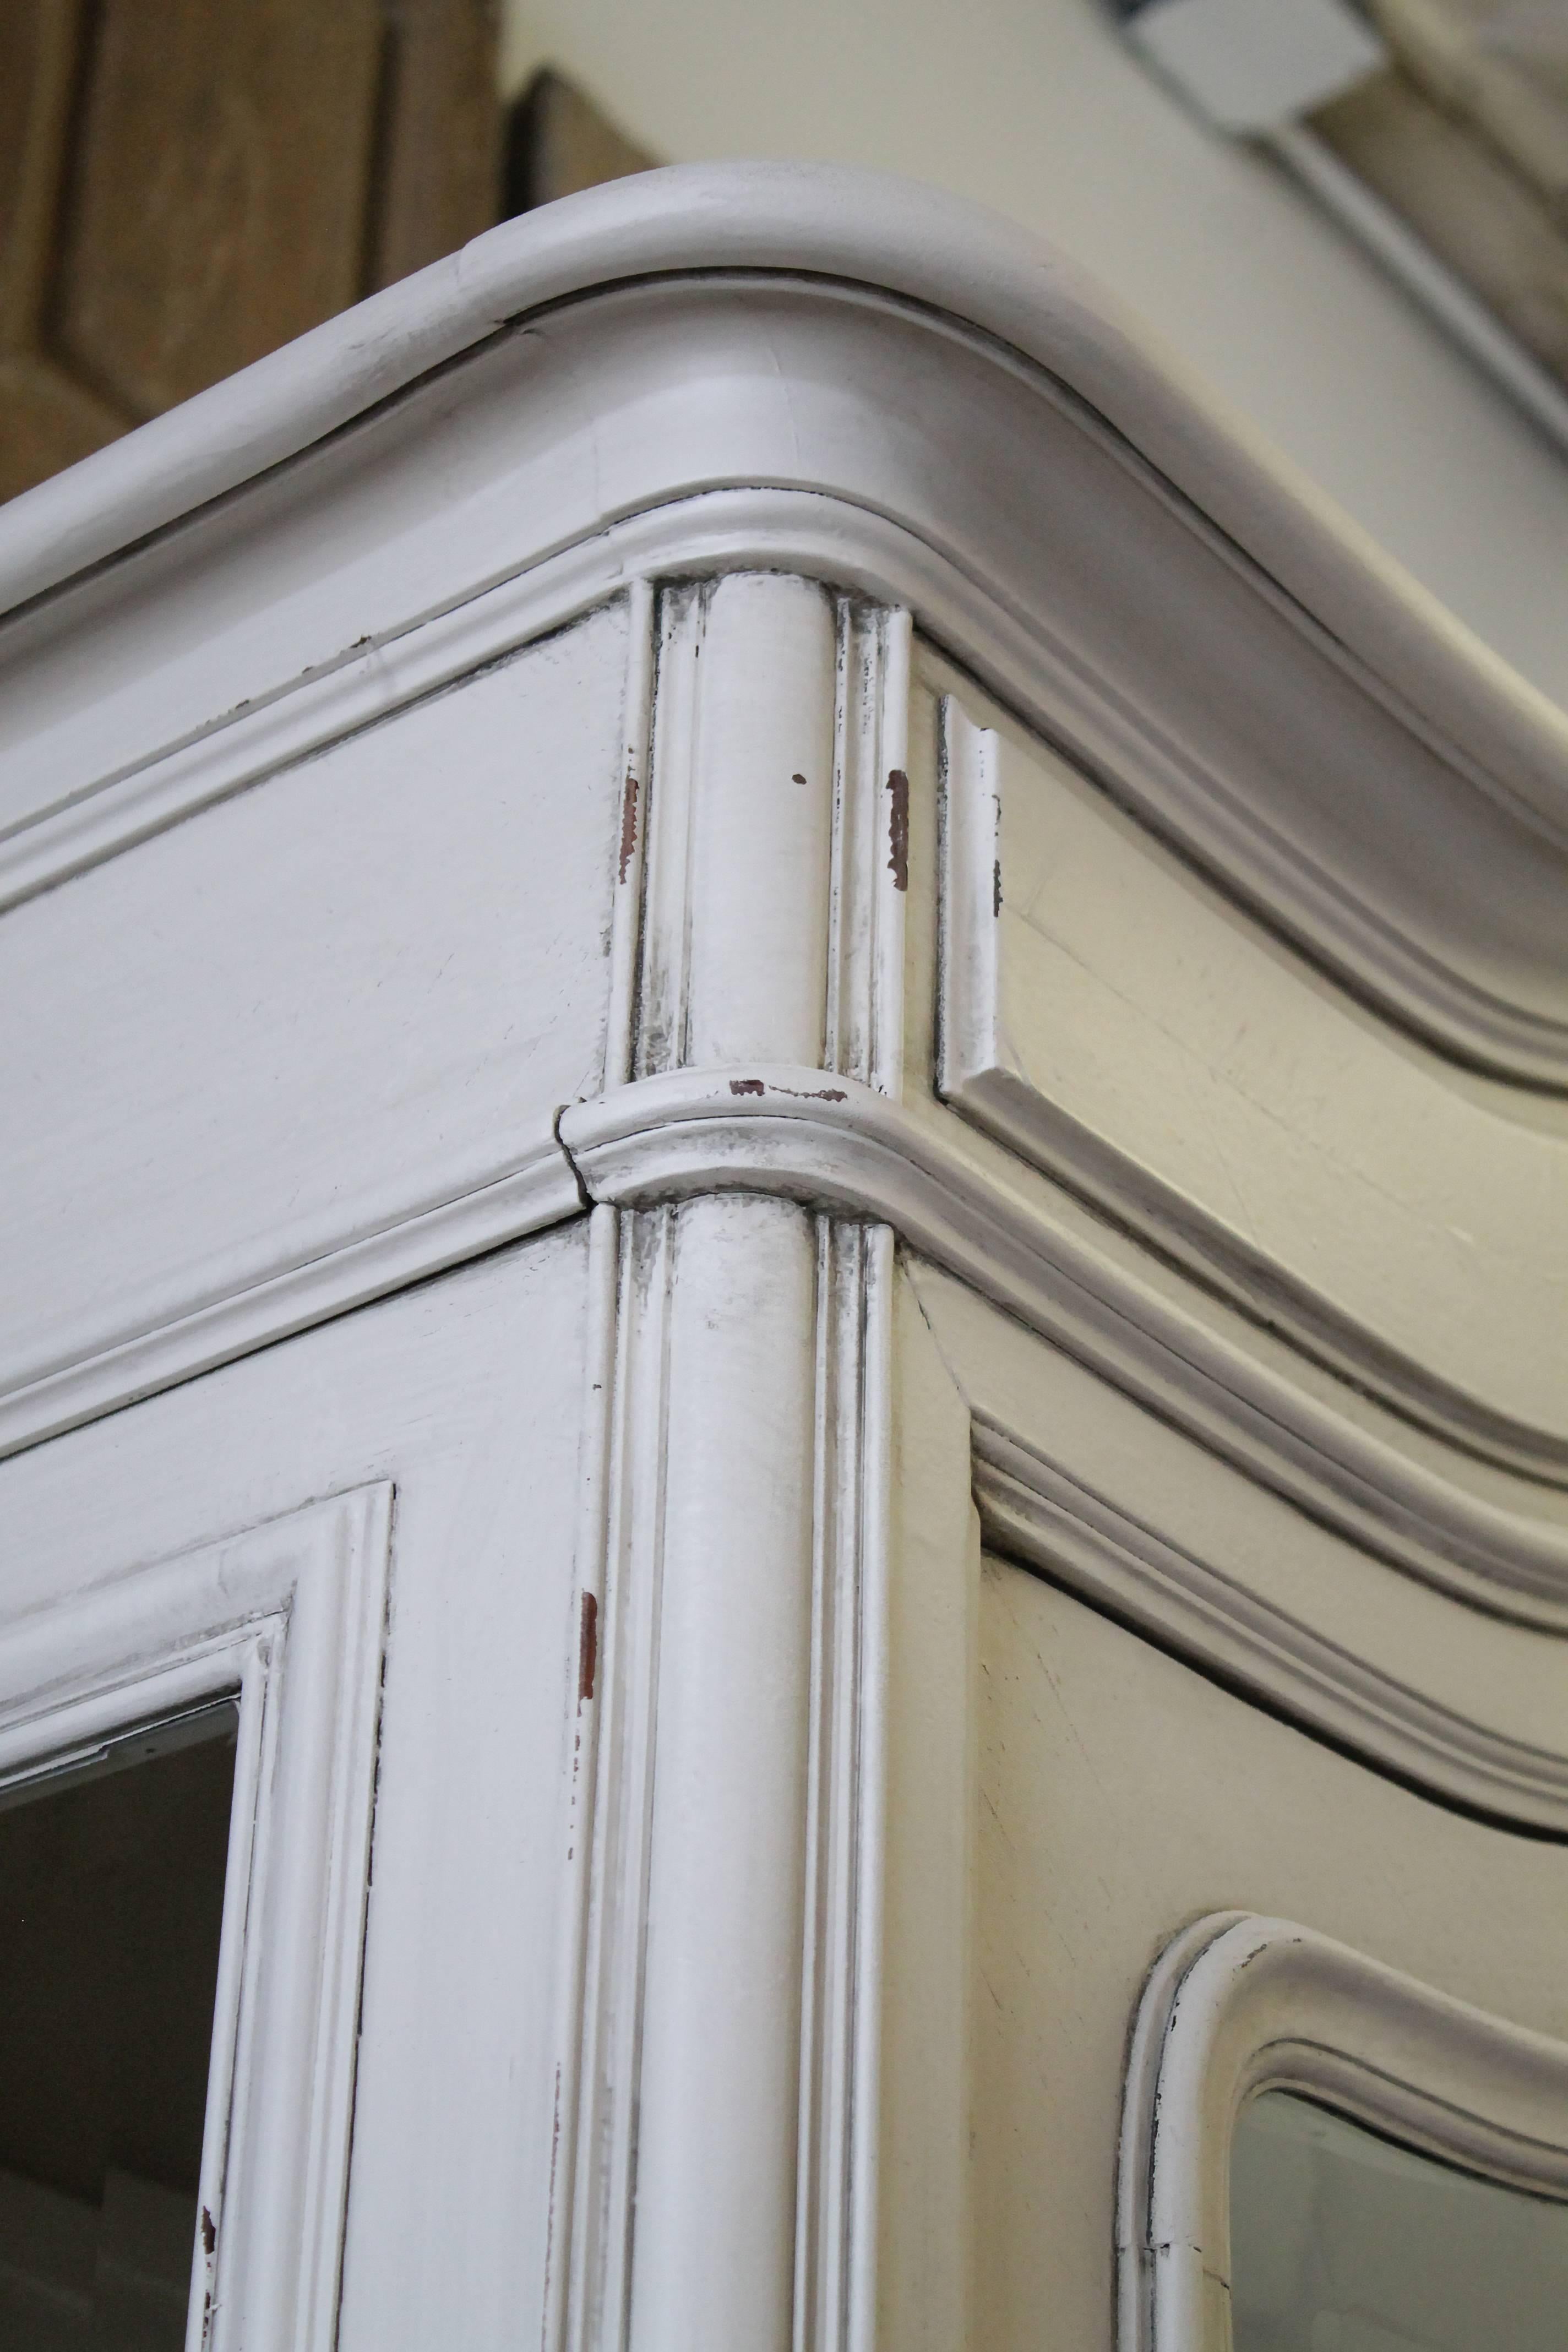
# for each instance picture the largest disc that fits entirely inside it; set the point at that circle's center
(184, 184)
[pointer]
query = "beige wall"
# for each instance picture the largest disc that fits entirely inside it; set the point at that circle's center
(1033, 106)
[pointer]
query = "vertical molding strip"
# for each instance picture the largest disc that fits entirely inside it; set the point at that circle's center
(626, 922)
(870, 847)
(716, 2158)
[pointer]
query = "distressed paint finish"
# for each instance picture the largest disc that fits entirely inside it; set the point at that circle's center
(465, 1397)
(1118, 1021)
(514, 791)
(713, 2256)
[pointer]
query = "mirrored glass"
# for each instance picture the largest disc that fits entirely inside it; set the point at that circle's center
(1341, 2241)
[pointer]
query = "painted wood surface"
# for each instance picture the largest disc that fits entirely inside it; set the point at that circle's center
(1109, 1015)
(466, 1399)
(346, 1000)
(1132, 682)
(1239, 2005)
(1123, 1797)
(530, 806)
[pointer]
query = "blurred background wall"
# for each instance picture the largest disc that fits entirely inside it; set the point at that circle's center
(183, 184)
(1038, 108)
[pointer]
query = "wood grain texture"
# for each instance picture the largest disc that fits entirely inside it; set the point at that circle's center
(185, 188)
(246, 131)
(48, 417)
(558, 142)
(439, 134)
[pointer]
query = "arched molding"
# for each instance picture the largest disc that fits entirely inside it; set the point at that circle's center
(812, 1136)
(1238, 2005)
(1107, 556)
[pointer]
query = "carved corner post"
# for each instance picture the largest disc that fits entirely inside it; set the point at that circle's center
(718, 2183)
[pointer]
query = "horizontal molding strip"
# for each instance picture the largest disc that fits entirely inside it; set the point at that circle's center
(995, 635)
(1120, 1188)
(1035, 1511)
(541, 1192)
(806, 531)
(818, 536)
(805, 1135)
(829, 1141)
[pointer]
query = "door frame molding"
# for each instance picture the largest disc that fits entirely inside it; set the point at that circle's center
(1239, 2004)
(288, 1617)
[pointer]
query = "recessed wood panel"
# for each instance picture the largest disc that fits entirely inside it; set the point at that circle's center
(220, 187)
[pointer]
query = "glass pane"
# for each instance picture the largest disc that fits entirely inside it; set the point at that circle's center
(1342, 2242)
(111, 1880)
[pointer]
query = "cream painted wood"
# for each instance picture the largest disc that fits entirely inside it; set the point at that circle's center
(1124, 1796)
(510, 792)
(1109, 1016)
(1111, 1501)
(1241, 2005)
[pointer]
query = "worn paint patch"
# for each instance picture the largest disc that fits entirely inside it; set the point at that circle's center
(209, 2232)
(996, 887)
(587, 1648)
(899, 828)
(795, 1094)
(628, 823)
(797, 778)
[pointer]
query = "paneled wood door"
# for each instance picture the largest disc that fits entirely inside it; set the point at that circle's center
(186, 186)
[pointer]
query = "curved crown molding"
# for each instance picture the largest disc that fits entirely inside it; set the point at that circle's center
(810, 1136)
(1344, 660)
(1238, 2005)
(1034, 1510)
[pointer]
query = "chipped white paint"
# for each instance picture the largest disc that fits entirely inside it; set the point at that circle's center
(1237, 2006)
(288, 1618)
(532, 806)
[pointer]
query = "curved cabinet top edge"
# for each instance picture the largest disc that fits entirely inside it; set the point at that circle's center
(863, 228)
(1502, 746)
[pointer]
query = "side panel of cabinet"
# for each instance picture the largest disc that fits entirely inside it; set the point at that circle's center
(464, 1397)
(1123, 1796)
(349, 996)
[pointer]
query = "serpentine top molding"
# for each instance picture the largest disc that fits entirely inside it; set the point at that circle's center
(1405, 737)
(836, 1144)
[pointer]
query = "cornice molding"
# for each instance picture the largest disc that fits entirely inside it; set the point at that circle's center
(809, 1136)
(1238, 2005)
(838, 1145)
(1348, 664)
(1036, 1511)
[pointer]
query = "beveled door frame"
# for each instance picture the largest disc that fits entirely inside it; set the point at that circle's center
(1238, 2005)
(287, 1618)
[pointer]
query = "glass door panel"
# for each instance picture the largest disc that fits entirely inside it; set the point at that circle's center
(1341, 2241)
(111, 1895)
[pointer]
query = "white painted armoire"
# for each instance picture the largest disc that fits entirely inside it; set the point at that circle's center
(786, 1164)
